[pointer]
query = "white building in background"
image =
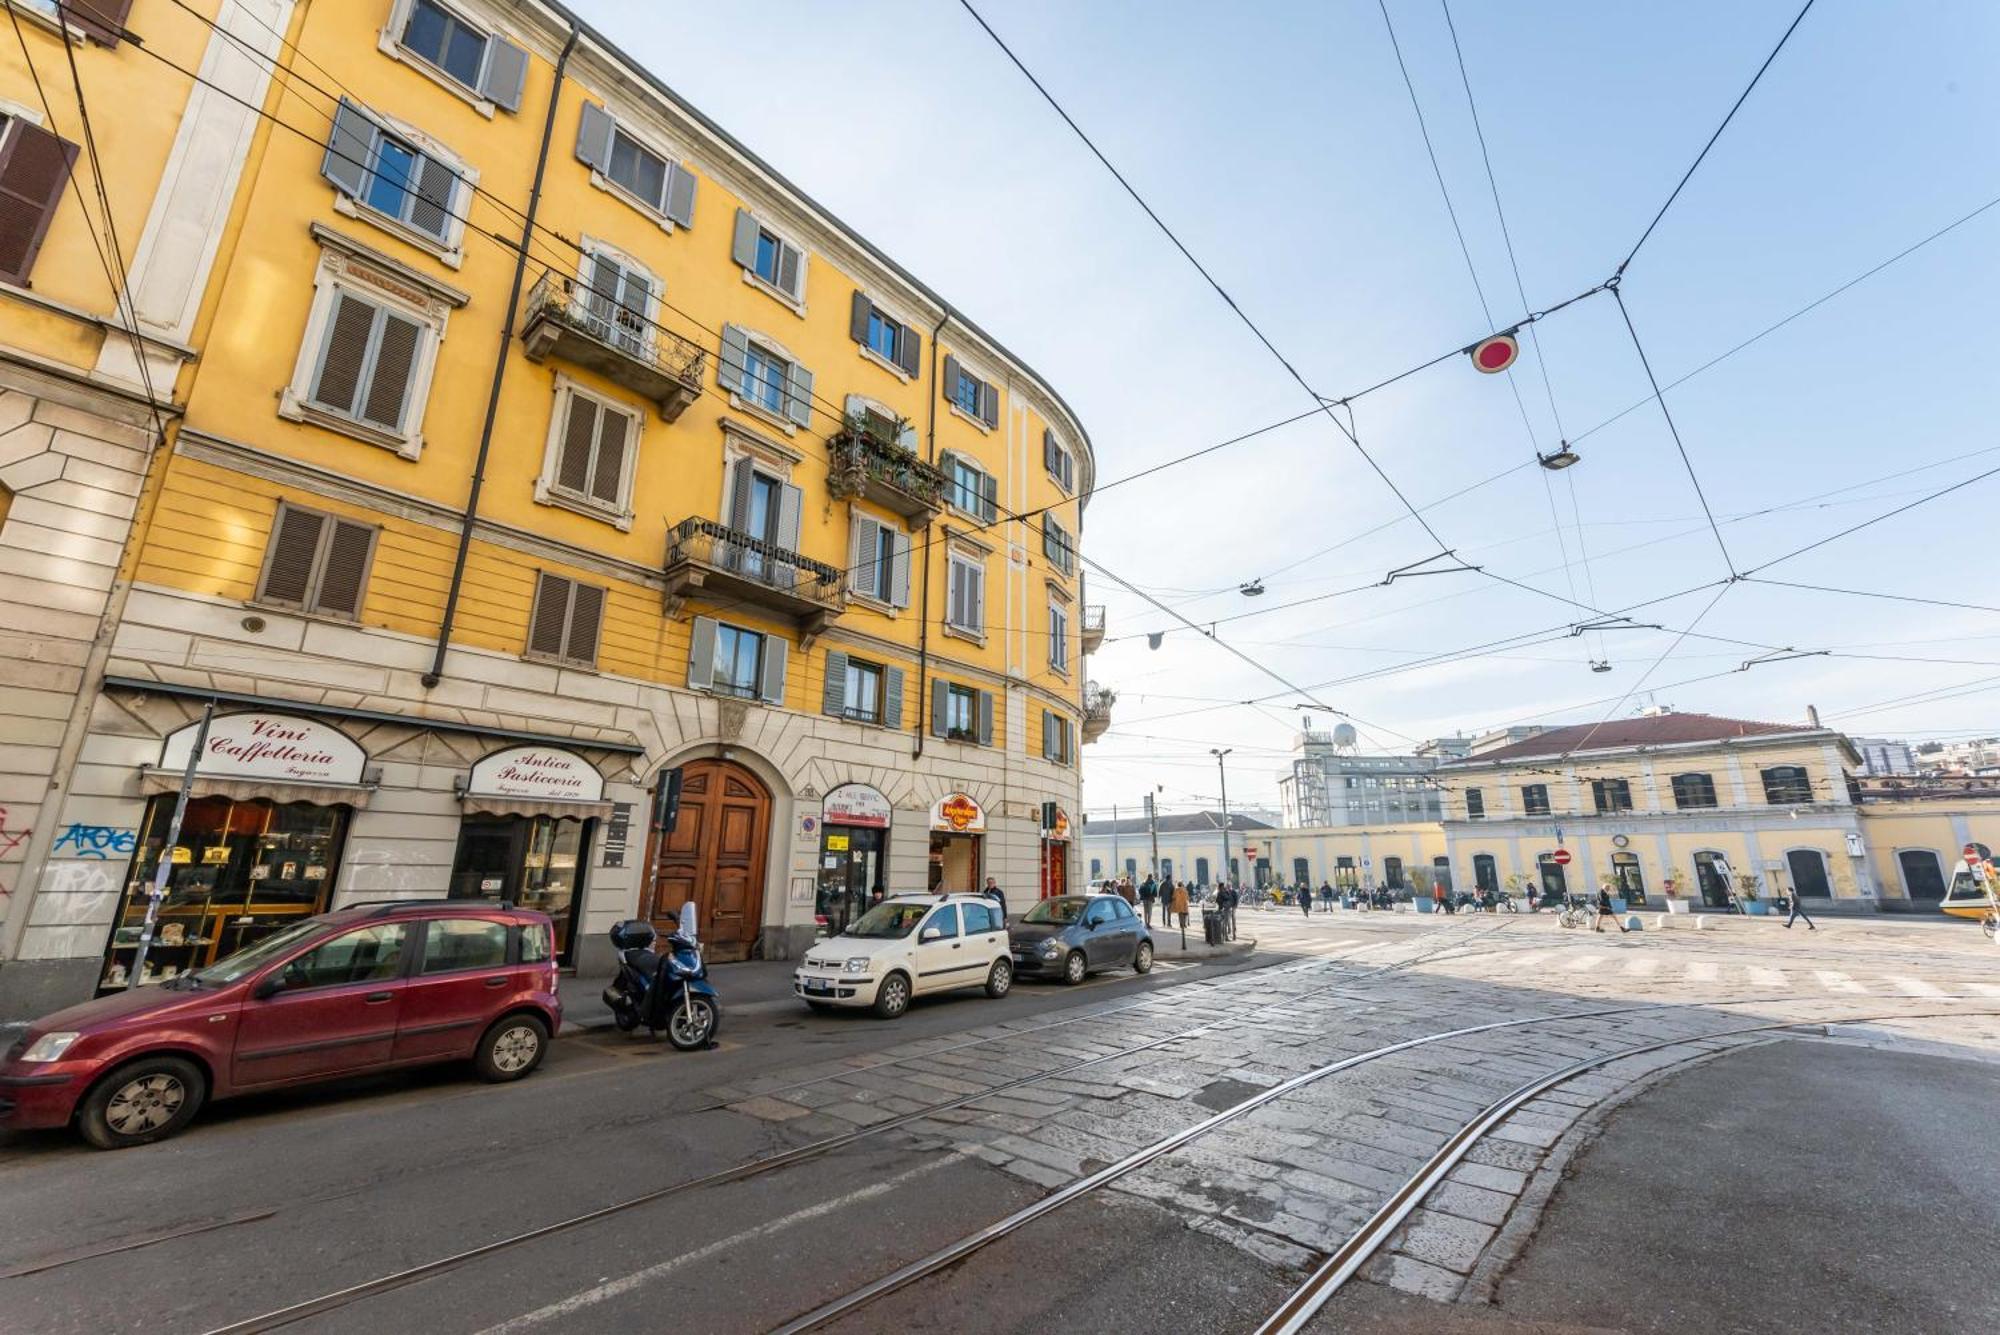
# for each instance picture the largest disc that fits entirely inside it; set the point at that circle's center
(1882, 756)
(1330, 784)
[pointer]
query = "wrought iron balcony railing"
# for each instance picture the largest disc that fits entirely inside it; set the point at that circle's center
(884, 472)
(714, 558)
(1097, 702)
(566, 317)
(1093, 627)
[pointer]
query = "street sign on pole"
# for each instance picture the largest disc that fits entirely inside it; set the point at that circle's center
(1560, 857)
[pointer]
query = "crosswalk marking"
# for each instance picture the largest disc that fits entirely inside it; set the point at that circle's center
(1837, 982)
(1916, 987)
(1583, 963)
(1642, 967)
(1702, 971)
(1984, 989)
(1768, 978)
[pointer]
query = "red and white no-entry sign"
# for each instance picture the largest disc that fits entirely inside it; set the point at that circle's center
(1560, 857)
(1494, 355)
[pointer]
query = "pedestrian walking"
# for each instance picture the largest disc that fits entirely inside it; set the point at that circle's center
(1225, 903)
(1305, 901)
(1180, 904)
(1605, 910)
(993, 892)
(1149, 894)
(1798, 910)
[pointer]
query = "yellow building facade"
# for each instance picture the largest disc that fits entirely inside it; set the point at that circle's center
(563, 507)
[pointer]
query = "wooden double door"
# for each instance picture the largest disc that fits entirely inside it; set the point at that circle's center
(715, 856)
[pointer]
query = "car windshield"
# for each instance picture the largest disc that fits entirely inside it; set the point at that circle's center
(889, 919)
(1061, 912)
(232, 967)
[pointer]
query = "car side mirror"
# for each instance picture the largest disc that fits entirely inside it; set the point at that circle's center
(931, 934)
(269, 985)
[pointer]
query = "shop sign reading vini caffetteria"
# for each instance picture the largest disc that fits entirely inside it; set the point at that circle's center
(546, 772)
(281, 747)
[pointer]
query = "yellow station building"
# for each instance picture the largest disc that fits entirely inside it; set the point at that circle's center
(533, 465)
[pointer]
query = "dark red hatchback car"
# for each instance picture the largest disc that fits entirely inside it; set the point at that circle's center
(364, 988)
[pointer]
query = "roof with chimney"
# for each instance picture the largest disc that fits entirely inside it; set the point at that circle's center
(1647, 730)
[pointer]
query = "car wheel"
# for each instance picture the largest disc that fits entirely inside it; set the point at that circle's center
(1143, 961)
(149, 1100)
(893, 997)
(1075, 968)
(510, 1049)
(1000, 978)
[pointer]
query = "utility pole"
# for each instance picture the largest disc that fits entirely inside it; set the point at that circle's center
(1117, 867)
(1153, 832)
(1223, 774)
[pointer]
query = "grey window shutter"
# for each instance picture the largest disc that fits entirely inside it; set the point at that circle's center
(294, 547)
(601, 289)
(791, 269)
(861, 548)
(899, 571)
(100, 20)
(989, 404)
(743, 248)
(892, 697)
(940, 708)
(593, 136)
(506, 74)
(833, 700)
(989, 497)
(347, 149)
(344, 575)
(701, 654)
(986, 718)
(735, 353)
(771, 682)
(573, 464)
(437, 192)
(857, 317)
(607, 481)
(741, 475)
(950, 383)
(791, 505)
(348, 334)
(34, 170)
(1047, 731)
(586, 621)
(680, 194)
(798, 394)
(909, 350)
(1048, 449)
(551, 615)
(1048, 539)
(389, 381)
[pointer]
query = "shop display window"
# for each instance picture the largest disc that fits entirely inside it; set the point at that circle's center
(238, 871)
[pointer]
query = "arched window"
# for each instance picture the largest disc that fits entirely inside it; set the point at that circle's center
(1631, 882)
(1693, 792)
(1167, 868)
(1923, 873)
(1441, 873)
(1201, 871)
(1787, 785)
(1301, 871)
(1485, 872)
(1096, 869)
(1392, 873)
(1711, 877)
(1132, 867)
(1808, 869)
(1555, 885)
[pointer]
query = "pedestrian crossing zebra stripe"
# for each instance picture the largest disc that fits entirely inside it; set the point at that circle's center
(1642, 966)
(1838, 982)
(1917, 987)
(1702, 971)
(1768, 978)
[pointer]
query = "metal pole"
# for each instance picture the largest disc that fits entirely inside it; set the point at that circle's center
(1223, 774)
(1153, 830)
(164, 866)
(1117, 867)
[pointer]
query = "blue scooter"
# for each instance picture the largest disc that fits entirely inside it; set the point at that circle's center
(668, 991)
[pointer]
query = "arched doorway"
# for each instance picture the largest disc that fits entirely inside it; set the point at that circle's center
(715, 856)
(1808, 868)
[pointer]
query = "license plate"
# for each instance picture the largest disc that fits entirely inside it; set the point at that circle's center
(818, 987)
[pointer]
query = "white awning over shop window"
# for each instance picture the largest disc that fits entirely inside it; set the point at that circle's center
(496, 805)
(153, 780)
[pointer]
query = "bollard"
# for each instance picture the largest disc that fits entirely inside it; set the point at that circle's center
(1702, 922)
(1632, 923)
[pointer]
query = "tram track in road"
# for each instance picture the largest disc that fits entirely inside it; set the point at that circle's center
(356, 1293)
(1345, 1260)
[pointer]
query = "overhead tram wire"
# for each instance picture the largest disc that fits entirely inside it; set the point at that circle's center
(1865, 593)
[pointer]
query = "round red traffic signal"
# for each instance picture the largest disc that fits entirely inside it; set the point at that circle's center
(1494, 355)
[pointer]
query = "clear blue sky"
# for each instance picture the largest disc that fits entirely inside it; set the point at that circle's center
(1279, 140)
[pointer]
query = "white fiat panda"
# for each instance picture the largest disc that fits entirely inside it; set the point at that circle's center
(906, 946)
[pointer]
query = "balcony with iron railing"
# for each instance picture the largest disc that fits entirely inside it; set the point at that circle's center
(878, 469)
(1097, 702)
(568, 318)
(1093, 627)
(713, 559)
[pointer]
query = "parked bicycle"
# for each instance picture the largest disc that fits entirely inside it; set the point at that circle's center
(1576, 911)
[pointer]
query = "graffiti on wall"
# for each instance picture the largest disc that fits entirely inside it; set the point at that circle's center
(94, 841)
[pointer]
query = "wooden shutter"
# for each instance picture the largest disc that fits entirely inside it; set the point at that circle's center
(798, 394)
(348, 149)
(899, 570)
(437, 189)
(791, 506)
(909, 350)
(1048, 731)
(100, 20)
(506, 74)
(395, 363)
(586, 621)
(986, 718)
(344, 571)
(771, 680)
(989, 404)
(949, 385)
(791, 269)
(701, 654)
(573, 464)
(345, 353)
(989, 497)
(550, 615)
(743, 246)
(34, 169)
(288, 562)
(735, 354)
(892, 697)
(940, 708)
(857, 317)
(614, 433)
(593, 137)
(1049, 449)
(680, 194)
(833, 699)
(862, 546)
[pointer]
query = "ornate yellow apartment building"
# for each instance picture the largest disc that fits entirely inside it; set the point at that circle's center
(539, 467)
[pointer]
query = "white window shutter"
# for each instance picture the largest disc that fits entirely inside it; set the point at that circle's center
(743, 245)
(593, 137)
(799, 394)
(892, 697)
(833, 698)
(701, 654)
(791, 270)
(680, 194)
(506, 74)
(861, 548)
(899, 571)
(347, 149)
(735, 355)
(771, 682)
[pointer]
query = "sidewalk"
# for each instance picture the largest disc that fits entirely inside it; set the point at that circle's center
(749, 987)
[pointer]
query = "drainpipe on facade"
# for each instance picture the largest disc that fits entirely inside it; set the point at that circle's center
(924, 604)
(471, 515)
